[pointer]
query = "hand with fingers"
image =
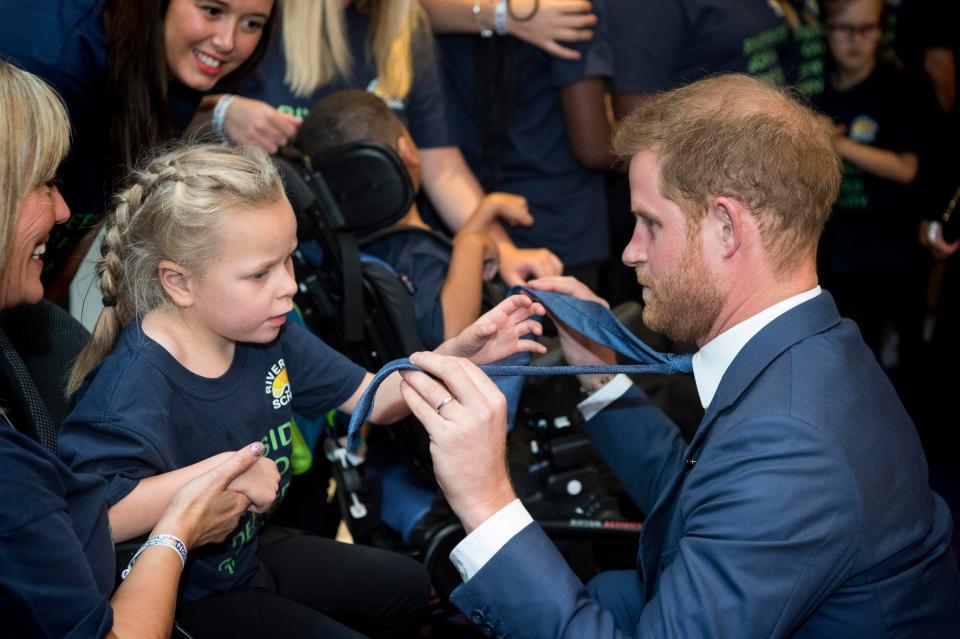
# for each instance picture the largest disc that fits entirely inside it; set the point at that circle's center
(206, 509)
(506, 207)
(465, 416)
(931, 238)
(577, 349)
(552, 22)
(253, 122)
(499, 333)
(259, 484)
(518, 264)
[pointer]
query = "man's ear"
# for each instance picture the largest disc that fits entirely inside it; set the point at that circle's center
(177, 283)
(728, 217)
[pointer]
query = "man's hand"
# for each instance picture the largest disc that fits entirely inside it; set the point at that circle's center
(468, 434)
(578, 350)
(517, 265)
(498, 333)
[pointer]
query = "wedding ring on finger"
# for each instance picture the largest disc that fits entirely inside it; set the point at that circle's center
(444, 403)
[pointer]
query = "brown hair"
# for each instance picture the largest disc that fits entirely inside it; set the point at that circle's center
(138, 80)
(348, 116)
(741, 137)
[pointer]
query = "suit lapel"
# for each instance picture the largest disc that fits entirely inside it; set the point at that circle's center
(809, 318)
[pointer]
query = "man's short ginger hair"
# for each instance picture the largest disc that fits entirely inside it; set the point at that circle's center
(740, 137)
(348, 116)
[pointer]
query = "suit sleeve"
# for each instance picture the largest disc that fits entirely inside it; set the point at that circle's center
(641, 445)
(770, 529)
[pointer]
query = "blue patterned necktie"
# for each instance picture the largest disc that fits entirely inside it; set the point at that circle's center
(587, 318)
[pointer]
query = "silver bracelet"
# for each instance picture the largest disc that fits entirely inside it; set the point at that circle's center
(500, 18)
(219, 113)
(484, 32)
(168, 541)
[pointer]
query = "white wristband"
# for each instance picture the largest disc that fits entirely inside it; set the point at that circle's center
(169, 541)
(219, 113)
(500, 18)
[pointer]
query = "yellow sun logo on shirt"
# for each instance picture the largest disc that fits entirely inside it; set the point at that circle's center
(277, 385)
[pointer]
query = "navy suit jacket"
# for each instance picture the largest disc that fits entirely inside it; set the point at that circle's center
(800, 508)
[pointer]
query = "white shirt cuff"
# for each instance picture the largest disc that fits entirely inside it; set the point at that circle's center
(488, 538)
(608, 393)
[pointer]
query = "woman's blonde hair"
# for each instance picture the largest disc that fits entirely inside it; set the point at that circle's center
(316, 48)
(35, 134)
(174, 208)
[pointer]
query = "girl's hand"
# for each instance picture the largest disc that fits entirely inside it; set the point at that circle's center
(256, 123)
(517, 264)
(259, 483)
(205, 509)
(499, 332)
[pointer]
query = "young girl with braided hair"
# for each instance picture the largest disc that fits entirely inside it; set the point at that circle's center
(192, 351)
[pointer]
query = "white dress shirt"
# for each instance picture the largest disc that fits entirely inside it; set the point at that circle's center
(709, 365)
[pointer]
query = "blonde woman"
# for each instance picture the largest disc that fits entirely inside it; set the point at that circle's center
(384, 46)
(57, 562)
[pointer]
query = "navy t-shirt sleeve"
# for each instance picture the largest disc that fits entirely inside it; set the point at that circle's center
(47, 585)
(646, 36)
(425, 104)
(111, 450)
(320, 378)
(596, 55)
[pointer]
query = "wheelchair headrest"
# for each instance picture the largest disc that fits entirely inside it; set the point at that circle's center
(367, 183)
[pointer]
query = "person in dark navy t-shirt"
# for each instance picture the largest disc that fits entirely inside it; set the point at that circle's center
(387, 48)
(131, 73)
(191, 351)
(57, 561)
(533, 124)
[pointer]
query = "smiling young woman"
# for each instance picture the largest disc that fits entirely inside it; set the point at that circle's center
(131, 73)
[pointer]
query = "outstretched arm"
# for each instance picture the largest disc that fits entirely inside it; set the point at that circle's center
(498, 333)
(890, 165)
(142, 508)
(545, 24)
(462, 291)
(456, 194)
(204, 510)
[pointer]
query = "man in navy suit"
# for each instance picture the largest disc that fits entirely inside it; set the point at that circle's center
(801, 506)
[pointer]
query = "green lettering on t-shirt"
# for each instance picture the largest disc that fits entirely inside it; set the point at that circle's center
(298, 111)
